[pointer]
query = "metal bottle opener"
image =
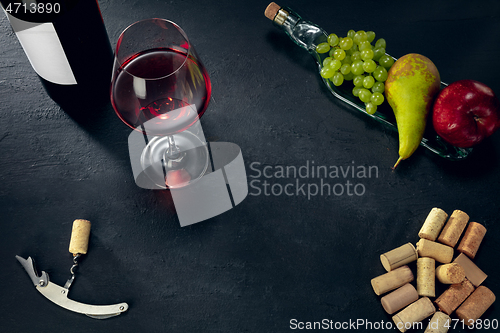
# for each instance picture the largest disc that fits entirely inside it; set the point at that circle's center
(58, 294)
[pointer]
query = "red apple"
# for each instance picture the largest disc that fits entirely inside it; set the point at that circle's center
(465, 113)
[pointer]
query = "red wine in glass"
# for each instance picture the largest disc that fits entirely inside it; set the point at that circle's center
(158, 94)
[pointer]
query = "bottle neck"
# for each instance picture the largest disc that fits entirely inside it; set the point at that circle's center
(305, 34)
(283, 15)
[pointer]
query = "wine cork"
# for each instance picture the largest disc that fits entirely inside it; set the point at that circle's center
(476, 305)
(439, 252)
(433, 224)
(473, 273)
(399, 298)
(392, 280)
(472, 239)
(440, 322)
(453, 228)
(426, 277)
(271, 10)
(399, 256)
(415, 312)
(452, 297)
(450, 273)
(79, 237)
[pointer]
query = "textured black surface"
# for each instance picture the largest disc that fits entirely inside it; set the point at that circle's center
(272, 258)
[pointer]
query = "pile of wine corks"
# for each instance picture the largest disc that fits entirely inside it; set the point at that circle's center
(435, 259)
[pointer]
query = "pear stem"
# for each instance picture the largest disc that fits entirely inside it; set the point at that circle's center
(397, 163)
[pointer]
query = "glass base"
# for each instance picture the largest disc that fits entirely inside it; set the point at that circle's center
(183, 168)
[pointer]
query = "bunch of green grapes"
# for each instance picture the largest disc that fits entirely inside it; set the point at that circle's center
(354, 58)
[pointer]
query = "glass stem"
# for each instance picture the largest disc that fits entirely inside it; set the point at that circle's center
(172, 151)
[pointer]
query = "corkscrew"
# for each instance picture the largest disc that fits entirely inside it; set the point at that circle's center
(59, 295)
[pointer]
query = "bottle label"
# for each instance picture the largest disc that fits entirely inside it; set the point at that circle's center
(44, 50)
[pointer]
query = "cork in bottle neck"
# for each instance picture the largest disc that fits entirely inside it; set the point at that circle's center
(275, 13)
(281, 17)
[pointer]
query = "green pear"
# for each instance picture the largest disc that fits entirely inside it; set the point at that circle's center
(412, 83)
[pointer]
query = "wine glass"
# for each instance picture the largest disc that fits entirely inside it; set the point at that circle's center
(161, 88)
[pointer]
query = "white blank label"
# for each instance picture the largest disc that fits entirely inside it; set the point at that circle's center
(44, 50)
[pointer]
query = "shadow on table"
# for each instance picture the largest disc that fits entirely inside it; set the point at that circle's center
(100, 121)
(483, 161)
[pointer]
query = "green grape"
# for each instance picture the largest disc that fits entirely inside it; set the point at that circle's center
(339, 54)
(345, 69)
(378, 87)
(347, 60)
(358, 80)
(360, 36)
(337, 79)
(365, 45)
(327, 61)
(369, 66)
(377, 98)
(350, 33)
(349, 76)
(346, 43)
(377, 53)
(365, 95)
(354, 48)
(357, 67)
(335, 64)
(386, 61)
(380, 74)
(330, 54)
(370, 108)
(355, 91)
(368, 82)
(370, 35)
(323, 47)
(367, 54)
(380, 43)
(326, 72)
(356, 56)
(333, 39)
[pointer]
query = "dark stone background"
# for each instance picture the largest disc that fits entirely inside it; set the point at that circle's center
(272, 258)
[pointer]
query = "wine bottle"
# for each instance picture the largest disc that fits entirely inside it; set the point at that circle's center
(308, 35)
(68, 47)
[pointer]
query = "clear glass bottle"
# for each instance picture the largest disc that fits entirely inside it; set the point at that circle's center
(308, 35)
